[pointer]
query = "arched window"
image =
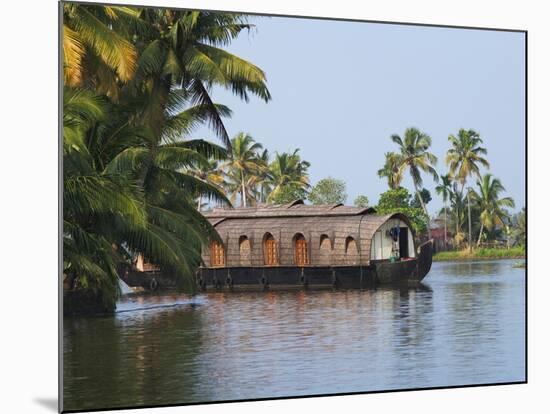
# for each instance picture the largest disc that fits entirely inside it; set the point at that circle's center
(217, 254)
(244, 251)
(352, 254)
(301, 257)
(270, 250)
(325, 248)
(351, 245)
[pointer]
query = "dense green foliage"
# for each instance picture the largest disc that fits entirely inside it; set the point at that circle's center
(288, 194)
(328, 191)
(361, 201)
(491, 207)
(520, 230)
(425, 195)
(399, 200)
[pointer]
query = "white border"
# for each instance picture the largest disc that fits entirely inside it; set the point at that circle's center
(28, 169)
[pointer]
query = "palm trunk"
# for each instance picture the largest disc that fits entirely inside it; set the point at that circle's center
(425, 211)
(480, 234)
(243, 190)
(457, 223)
(445, 221)
(462, 184)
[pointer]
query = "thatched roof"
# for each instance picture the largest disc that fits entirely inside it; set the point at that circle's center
(294, 209)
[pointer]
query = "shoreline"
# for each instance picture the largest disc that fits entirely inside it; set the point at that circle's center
(473, 257)
(480, 254)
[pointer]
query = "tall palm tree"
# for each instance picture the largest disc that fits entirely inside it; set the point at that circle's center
(464, 159)
(182, 51)
(491, 207)
(288, 170)
(392, 170)
(458, 205)
(263, 178)
(465, 156)
(414, 156)
(444, 190)
(243, 167)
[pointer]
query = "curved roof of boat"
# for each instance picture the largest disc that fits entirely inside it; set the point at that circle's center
(296, 208)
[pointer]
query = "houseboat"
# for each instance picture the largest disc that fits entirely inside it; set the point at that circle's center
(299, 245)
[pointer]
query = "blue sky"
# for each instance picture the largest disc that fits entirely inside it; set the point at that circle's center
(340, 89)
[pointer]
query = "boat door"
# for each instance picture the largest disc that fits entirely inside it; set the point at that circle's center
(403, 242)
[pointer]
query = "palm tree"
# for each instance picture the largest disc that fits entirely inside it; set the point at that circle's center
(173, 229)
(414, 156)
(96, 51)
(131, 176)
(211, 173)
(490, 205)
(262, 181)
(97, 205)
(182, 51)
(458, 205)
(444, 190)
(465, 156)
(288, 171)
(243, 167)
(392, 170)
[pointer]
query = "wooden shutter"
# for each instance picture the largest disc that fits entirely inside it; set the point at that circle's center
(270, 251)
(300, 251)
(217, 254)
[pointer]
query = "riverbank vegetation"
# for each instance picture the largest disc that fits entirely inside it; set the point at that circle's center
(517, 252)
(474, 213)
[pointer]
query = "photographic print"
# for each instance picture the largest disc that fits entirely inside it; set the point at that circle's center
(260, 207)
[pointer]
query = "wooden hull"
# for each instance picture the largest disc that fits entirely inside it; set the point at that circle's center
(406, 272)
(281, 277)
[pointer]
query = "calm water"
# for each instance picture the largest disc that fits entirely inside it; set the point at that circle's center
(465, 326)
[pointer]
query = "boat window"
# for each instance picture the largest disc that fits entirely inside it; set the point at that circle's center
(217, 254)
(325, 248)
(324, 243)
(301, 257)
(352, 253)
(351, 246)
(244, 251)
(270, 250)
